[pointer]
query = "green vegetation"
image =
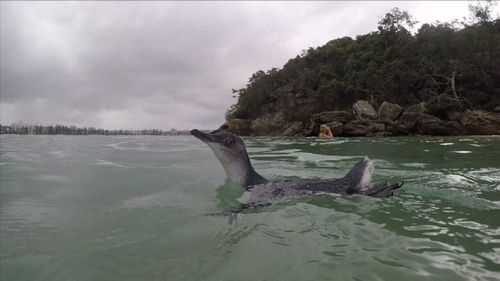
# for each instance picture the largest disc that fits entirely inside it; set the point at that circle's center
(455, 64)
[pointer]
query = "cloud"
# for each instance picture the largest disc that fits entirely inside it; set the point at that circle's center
(164, 65)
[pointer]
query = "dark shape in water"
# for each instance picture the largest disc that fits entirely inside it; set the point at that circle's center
(232, 154)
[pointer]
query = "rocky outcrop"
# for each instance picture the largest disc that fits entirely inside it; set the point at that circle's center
(425, 124)
(391, 120)
(240, 127)
(267, 124)
(355, 130)
(333, 116)
(293, 129)
(363, 109)
(431, 125)
(336, 127)
(479, 122)
(389, 111)
(376, 127)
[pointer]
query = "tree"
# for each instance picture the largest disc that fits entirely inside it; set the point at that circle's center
(396, 20)
(481, 11)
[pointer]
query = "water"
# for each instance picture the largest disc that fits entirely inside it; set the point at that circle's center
(152, 208)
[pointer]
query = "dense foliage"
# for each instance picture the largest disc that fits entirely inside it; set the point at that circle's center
(444, 64)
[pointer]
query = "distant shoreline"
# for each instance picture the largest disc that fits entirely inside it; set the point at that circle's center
(286, 137)
(22, 128)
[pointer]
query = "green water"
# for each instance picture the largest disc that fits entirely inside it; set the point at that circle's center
(151, 208)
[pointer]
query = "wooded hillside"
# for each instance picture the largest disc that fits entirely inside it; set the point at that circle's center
(450, 67)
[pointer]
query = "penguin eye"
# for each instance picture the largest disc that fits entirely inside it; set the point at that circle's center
(228, 141)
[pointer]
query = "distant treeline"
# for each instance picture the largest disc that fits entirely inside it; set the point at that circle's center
(443, 64)
(27, 129)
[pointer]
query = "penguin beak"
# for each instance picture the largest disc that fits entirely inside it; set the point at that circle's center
(203, 136)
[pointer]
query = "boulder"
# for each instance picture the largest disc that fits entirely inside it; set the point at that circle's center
(406, 123)
(239, 127)
(431, 125)
(479, 122)
(268, 124)
(389, 111)
(293, 129)
(355, 130)
(260, 127)
(376, 127)
(361, 121)
(311, 128)
(332, 116)
(456, 128)
(336, 127)
(393, 130)
(363, 109)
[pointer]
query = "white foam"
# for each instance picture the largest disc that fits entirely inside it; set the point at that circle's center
(107, 163)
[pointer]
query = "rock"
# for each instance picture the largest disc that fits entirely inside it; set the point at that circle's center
(355, 130)
(497, 109)
(406, 123)
(380, 134)
(455, 127)
(431, 125)
(293, 129)
(332, 116)
(425, 124)
(363, 109)
(441, 105)
(268, 124)
(239, 127)
(393, 130)
(336, 127)
(260, 127)
(454, 115)
(223, 127)
(420, 107)
(376, 127)
(388, 122)
(311, 128)
(361, 121)
(389, 111)
(479, 122)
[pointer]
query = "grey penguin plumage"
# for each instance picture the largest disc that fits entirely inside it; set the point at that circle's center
(231, 152)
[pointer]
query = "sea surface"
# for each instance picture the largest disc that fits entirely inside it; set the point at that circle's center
(156, 208)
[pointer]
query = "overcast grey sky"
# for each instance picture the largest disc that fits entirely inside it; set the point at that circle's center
(134, 65)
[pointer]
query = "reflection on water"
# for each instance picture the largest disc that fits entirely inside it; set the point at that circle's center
(154, 208)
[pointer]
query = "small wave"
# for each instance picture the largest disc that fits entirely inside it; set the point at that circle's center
(477, 145)
(462, 151)
(458, 179)
(108, 163)
(117, 145)
(334, 141)
(416, 165)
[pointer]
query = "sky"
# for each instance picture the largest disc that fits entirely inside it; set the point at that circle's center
(138, 65)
